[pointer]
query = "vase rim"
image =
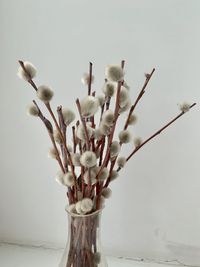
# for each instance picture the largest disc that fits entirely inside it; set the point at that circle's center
(85, 215)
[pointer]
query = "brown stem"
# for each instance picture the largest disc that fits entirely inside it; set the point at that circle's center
(110, 172)
(63, 129)
(122, 64)
(156, 133)
(101, 151)
(108, 102)
(74, 139)
(148, 77)
(90, 79)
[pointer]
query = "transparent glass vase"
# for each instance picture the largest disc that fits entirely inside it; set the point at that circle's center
(83, 247)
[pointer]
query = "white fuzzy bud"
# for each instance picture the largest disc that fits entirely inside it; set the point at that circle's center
(88, 159)
(53, 153)
(71, 208)
(86, 205)
(132, 119)
(68, 179)
(108, 117)
(104, 129)
(68, 116)
(114, 73)
(125, 108)
(80, 133)
(185, 107)
(114, 149)
(89, 106)
(106, 192)
(76, 159)
(97, 134)
(121, 161)
(78, 207)
(137, 141)
(124, 97)
(32, 110)
(59, 178)
(44, 93)
(101, 99)
(104, 174)
(109, 89)
(90, 175)
(30, 72)
(126, 85)
(114, 175)
(86, 79)
(57, 136)
(125, 136)
(97, 257)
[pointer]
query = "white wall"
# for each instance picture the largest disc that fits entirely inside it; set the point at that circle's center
(154, 212)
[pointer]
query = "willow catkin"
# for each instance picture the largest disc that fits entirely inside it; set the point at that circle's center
(114, 73)
(86, 79)
(68, 116)
(30, 72)
(32, 110)
(125, 136)
(44, 93)
(89, 106)
(109, 89)
(121, 161)
(88, 159)
(185, 107)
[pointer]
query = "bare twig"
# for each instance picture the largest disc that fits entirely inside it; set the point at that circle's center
(74, 139)
(63, 129)
(148, 77)
(90, 79)
(156, 133)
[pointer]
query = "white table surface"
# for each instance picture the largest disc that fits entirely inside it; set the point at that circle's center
(21, 256)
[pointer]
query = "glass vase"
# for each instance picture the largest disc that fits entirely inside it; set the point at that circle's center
(83, 247)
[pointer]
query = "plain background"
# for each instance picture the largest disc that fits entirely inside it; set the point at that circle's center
(154, 211)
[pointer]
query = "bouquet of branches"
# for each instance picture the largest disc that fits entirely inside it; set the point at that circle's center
(86, 149)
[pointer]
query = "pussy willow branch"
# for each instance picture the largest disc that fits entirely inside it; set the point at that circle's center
(148, 77)
(50, 132)
(116, 115)
(114, 160)
(156, 133)
(87, 144)
(48, 106)
(65, 148)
